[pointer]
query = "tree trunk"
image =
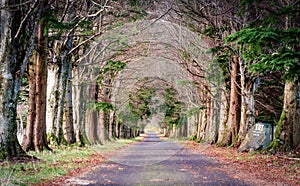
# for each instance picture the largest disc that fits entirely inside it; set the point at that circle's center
(199, 124)
(52, 103)
(101, 129)
(231, 132)
(223, 116)
(9, 145)
(91, 116)
(206, 121)
(297, 120)
(39, 130)
(213, 128)
(111, 132)
(247, 102)
(68, 127)
(288, 127)
(118, 128)
(14, 57)
(63, 126)
(35, 137)
(27, 143)
(79, 107)
(56, 107)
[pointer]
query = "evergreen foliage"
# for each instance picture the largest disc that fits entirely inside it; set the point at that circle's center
(110, 70)
(173, 107)
(139, 102)
(101, 106)
(270, 49)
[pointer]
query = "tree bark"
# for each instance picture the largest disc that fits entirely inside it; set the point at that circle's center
(91, 116)
(40, 138)
(16, 50)
(35, 137)
(297, 120)
(68, 127)
(27, 143)
(111, 129)
(215, 105)
(247, 102)
(223, 116)
(231, 132)
(288, 126)
(199, 124)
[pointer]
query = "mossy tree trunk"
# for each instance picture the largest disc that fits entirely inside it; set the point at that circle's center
(287, 132)
(17, 45)
(67, 122)
(62, 125)
(9, 145)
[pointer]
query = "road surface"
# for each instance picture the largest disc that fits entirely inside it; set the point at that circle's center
(155, 162)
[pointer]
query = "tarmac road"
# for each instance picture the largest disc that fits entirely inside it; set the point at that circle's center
(155, 162)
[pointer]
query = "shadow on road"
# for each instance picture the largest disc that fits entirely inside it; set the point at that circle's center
(155, 162)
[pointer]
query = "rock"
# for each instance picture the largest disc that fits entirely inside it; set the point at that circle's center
(258, 137)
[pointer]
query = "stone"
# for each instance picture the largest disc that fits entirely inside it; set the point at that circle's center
(258, 137)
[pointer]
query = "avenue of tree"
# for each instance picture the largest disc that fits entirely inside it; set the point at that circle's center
(88, 71)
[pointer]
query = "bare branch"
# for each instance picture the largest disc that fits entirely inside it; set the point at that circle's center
(25, 18)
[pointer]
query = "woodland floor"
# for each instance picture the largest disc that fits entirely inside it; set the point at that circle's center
(156, 162)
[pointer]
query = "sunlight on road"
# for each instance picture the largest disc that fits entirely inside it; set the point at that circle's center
(150, 151)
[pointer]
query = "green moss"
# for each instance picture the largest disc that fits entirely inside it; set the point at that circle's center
(83, 140)
(235, 141)
(52, 139)
(275, 145)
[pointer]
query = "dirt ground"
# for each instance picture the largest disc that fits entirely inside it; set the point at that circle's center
(254, 168)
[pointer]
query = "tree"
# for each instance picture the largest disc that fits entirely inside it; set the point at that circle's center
(70, 35)
(274, 46)
(35, 136)
(18, 31)
(217, 19)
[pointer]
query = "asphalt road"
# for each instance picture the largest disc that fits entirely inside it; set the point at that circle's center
(155, 162)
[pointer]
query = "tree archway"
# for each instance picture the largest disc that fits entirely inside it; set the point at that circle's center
(158, 48)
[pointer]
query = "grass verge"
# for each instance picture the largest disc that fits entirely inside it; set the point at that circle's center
(50, 166)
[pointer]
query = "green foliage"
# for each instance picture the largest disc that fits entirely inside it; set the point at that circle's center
(52, 22)
(110, 70)
(173, 108)
(270, 49)
(221, 56)
(100, 106)
(127, 118)
(213, 32)
(193, 138)
(139, 102)
(114, 66)
(134, 2)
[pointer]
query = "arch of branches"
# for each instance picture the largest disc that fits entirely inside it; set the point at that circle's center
(168, 54)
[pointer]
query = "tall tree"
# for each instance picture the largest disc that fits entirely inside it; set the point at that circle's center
(35, 135)
(19, 24)
(272, 44)
(217, 19)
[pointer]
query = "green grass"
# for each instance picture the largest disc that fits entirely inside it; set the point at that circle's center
(54, 165)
